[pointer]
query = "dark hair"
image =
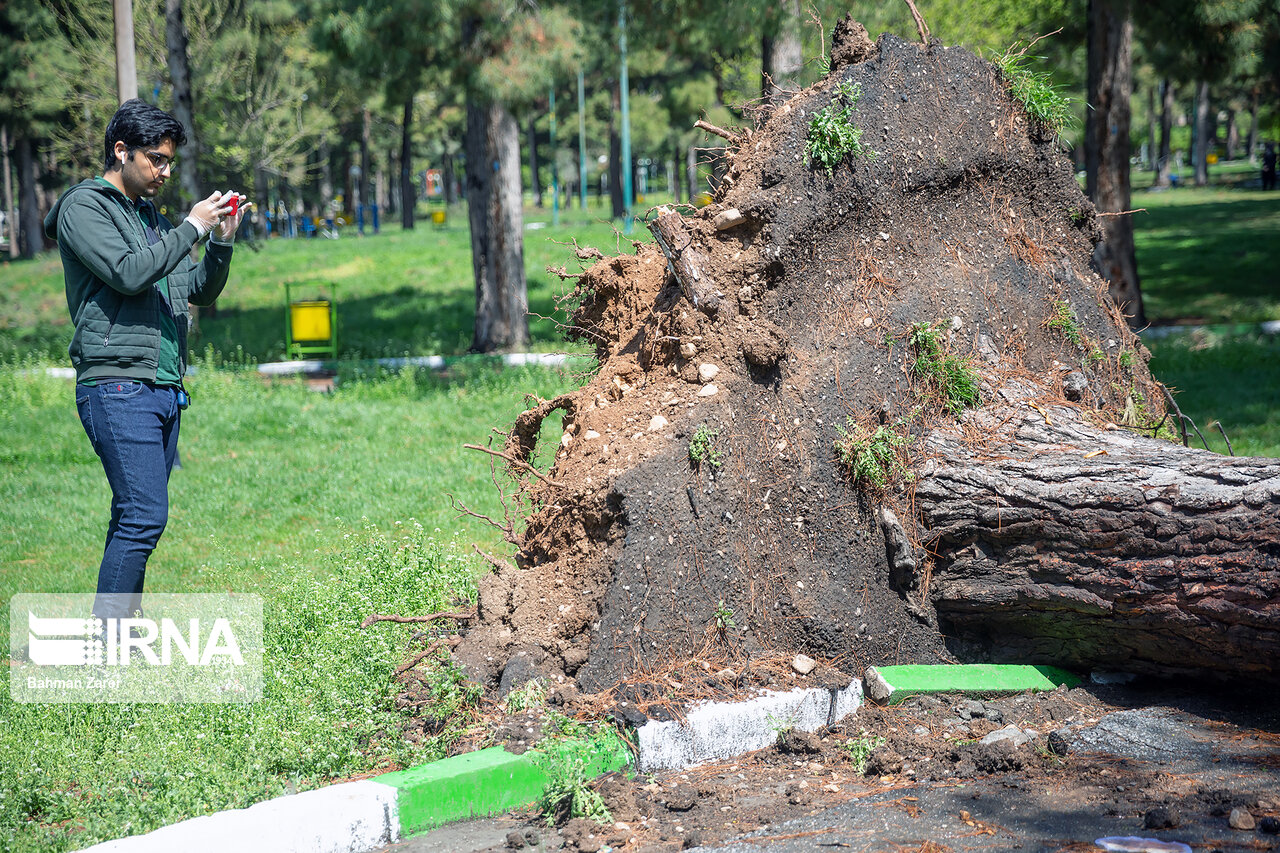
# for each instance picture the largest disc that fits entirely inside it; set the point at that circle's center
(138, 125)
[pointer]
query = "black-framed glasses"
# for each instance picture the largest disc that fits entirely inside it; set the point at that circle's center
(160, 162)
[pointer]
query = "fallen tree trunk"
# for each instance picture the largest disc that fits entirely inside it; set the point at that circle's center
(1094, 547)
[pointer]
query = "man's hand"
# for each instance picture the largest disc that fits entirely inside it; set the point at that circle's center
(208, 213)
(225, 231)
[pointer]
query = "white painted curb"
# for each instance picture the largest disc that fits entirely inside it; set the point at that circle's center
(715, 731)
(349, 818)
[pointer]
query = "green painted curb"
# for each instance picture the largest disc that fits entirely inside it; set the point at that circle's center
(490, 781)
(892, 684)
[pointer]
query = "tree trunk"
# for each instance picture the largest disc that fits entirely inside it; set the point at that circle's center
(497, 228)
(1107, 150)
(1233, 135)
(617, 205)
(363, 212)
(535, 180)
(408, 198)
(1152, 143)
(691, 172)
(1201, 132)
(10, 211)
(326, 178)
(1250, 145)
(1166, 129)
(781, 53)
(1145, 558)
(175, 36)
(677, 183)
(450, 179)
(260, 190)
(30, 228)
(126, 54)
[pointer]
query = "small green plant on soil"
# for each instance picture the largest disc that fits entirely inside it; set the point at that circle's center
(1034, 89)
(532, 695)
(1126, 359)
(832, 136)
(780, 726)
(873, 457)
(568, 796)
(703, 447)
(1064, 320)
(568, 793)
(723, 616)
(954, 378)
(859, 749)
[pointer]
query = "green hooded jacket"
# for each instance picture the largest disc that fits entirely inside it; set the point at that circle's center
(111, 273)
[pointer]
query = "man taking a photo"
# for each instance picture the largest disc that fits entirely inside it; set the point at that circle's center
(129, 279)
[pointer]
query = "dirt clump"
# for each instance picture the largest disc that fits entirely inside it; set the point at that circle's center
(698, 519)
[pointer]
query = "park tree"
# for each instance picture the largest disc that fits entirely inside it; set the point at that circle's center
(508, 54)
(34, 71)
(396, 45)
(175, 36)
(1110, 42)
(1200, 45)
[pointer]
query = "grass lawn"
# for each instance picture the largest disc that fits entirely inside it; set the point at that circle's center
(334, 506)
(330, 507)
(1208, 254)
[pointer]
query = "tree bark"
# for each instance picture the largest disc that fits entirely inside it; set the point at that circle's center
(497, 228)
(535, 180)
(175, 37)
(1233, 135)
(1201, 131)
(126, 54)
(617, 205)
(408, 197)
(1251, 142)
(1163, 178)
(30, 228)
(1107, 150)
(691, 172)
(1152, 144)
(450, 179)
(10, 211)
(1145, 558)
(781, 53)
(326, 178)
(364, 212)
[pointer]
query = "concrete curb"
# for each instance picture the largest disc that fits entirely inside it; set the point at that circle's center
(356, 817)
(892, 684)
(349, 818)
(715, 731)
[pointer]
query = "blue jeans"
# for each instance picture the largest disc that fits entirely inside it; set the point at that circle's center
(133, 427)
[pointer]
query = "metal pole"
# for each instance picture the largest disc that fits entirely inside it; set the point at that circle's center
(555, 170)
(627, 192)
(582, 146)
(126, 62)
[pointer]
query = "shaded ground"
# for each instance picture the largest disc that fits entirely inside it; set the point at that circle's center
(1125, 761)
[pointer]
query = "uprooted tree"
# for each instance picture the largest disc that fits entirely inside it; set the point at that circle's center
(876, 406)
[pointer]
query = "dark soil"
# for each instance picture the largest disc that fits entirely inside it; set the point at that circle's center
(642, 572)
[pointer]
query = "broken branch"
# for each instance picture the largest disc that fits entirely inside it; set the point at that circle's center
(920, 24)
(519, 463)
(422, 655)
(406, 620)
(718, 131)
